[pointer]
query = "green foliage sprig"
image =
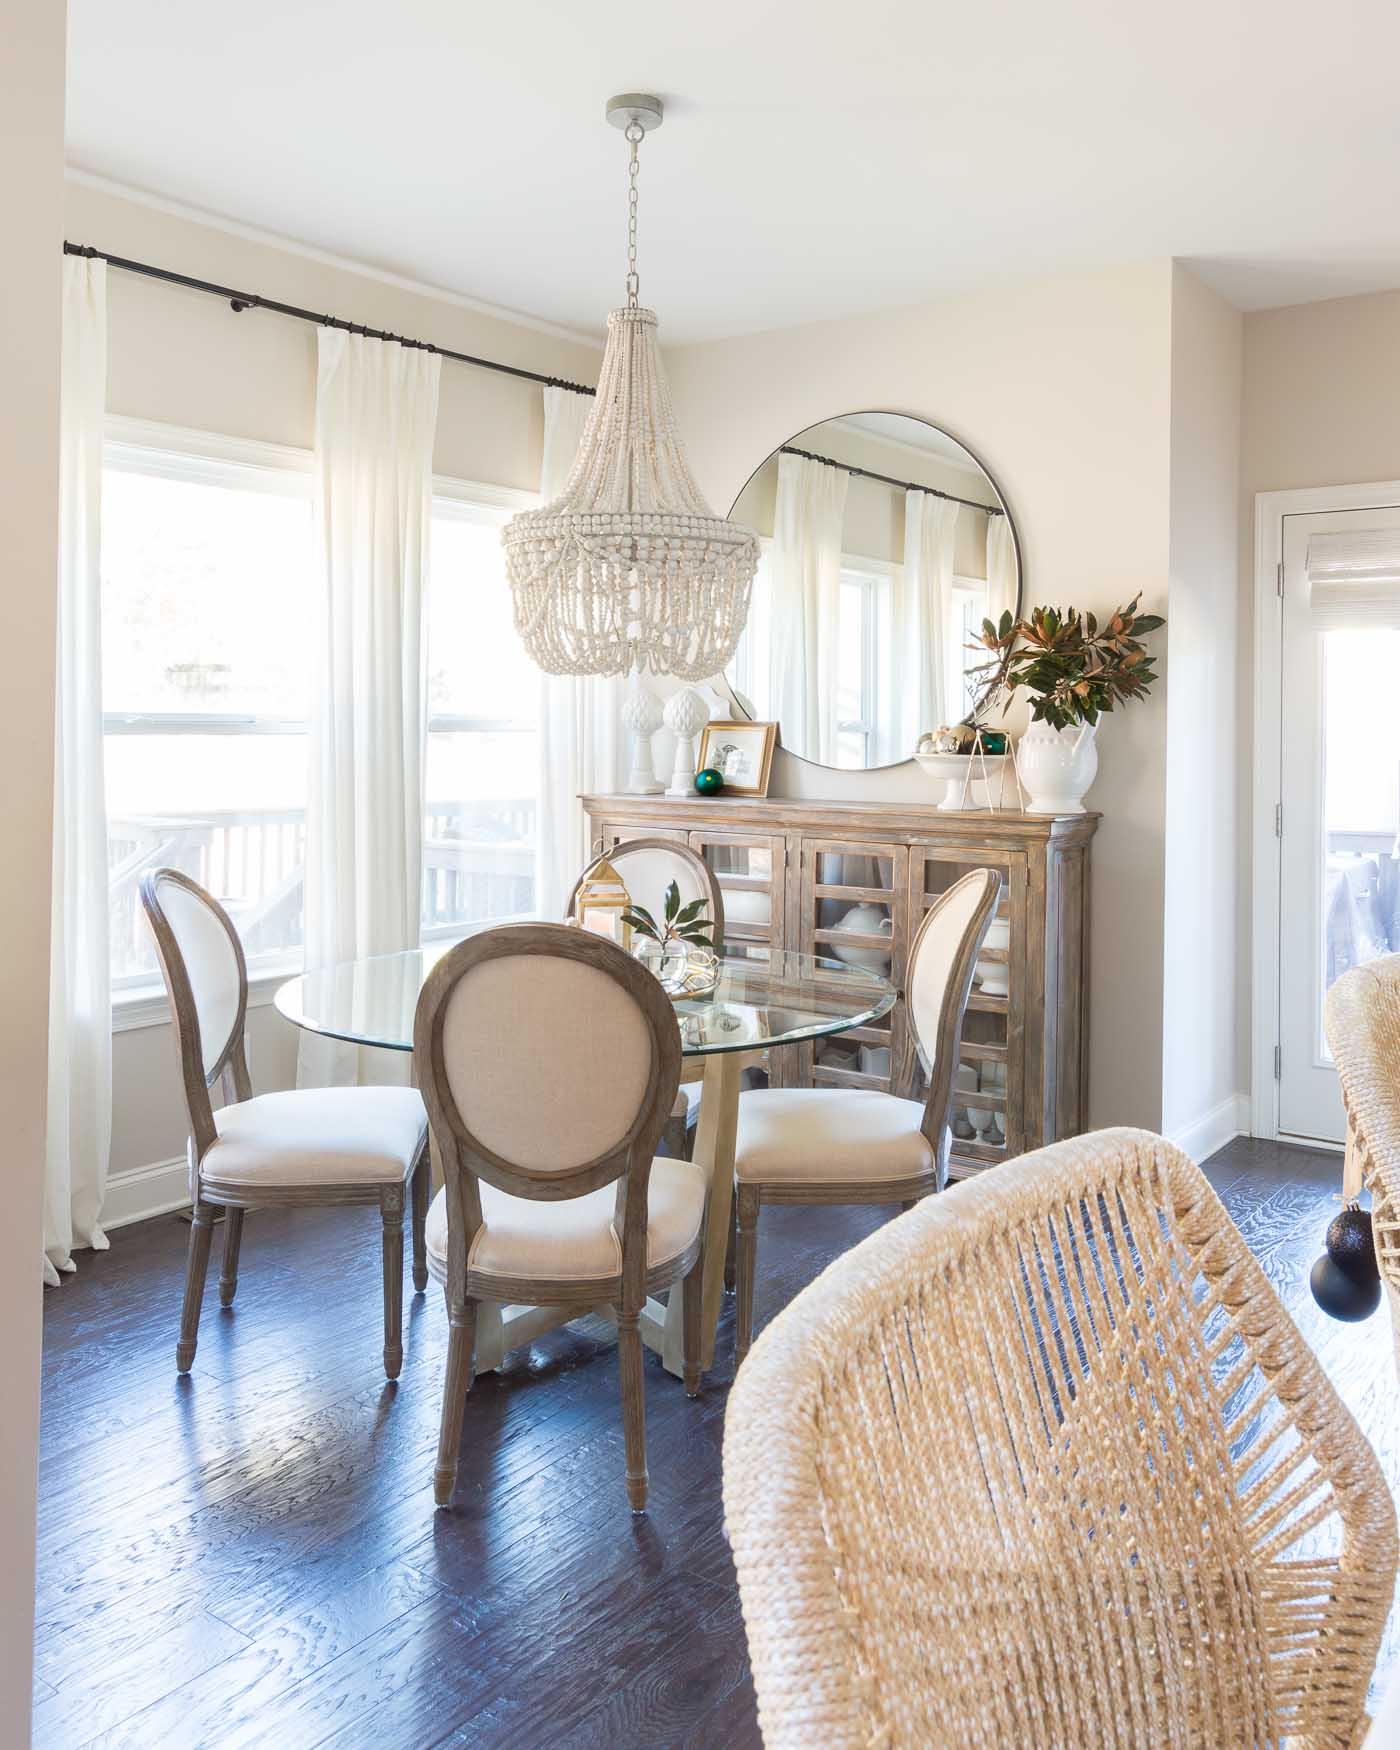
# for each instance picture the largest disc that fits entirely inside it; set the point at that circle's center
(680, 923)
(1073, 667)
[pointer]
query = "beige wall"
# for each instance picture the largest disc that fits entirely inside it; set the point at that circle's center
(1321, 389)
(183, 358)
(31, 170)
(1204, 1059)
(1063, 387)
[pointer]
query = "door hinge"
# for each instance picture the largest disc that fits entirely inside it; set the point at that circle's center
(1278, 1063)
(1278, 820)
(1278, 574)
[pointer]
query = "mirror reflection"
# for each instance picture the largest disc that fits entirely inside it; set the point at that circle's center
(885, 545)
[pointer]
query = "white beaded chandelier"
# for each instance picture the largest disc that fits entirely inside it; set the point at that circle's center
(630, 569)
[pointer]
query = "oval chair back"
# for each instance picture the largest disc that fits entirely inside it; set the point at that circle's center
(648, 866)
(548, 1060)
(939, 981)
(206, 979)
(1046, 1462)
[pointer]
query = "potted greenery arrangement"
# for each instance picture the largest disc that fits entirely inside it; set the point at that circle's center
(680, 950)
(1075, 668)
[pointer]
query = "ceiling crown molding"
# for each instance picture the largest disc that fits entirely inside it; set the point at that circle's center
(326, 258)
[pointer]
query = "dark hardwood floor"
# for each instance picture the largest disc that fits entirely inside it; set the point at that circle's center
(251, 1555)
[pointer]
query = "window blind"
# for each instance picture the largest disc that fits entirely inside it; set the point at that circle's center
(1354, 579)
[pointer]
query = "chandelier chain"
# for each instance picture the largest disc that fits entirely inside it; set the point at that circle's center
(634, 136)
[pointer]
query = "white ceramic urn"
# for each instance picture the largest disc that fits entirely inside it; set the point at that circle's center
(1057, 766)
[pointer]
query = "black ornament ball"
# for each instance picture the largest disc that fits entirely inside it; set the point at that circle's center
(1339, 1296)
(1350, 1247)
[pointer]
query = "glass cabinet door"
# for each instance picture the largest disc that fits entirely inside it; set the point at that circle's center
(852, 911)
(750, 870)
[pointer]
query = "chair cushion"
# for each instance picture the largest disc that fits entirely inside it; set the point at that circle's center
(794, 1136)
(573, 1236)
(317, 1136)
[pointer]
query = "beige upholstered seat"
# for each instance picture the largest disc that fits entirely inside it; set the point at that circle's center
(552, 1194)
(575, 1238)
(317, 1136)
(301, 1146)
(1362, 1021)
(859, 1145)
(1045, 1462)
(801, 1135)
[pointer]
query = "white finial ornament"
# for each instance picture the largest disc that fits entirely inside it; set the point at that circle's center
(686, 715)
(641, 718)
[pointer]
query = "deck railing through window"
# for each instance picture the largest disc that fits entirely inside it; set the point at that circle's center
(478, 862)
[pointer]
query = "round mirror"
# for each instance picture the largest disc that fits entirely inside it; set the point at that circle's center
(885, 546)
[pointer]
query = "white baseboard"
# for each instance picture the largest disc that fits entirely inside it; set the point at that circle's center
(145, 1191)
(1212, 1130)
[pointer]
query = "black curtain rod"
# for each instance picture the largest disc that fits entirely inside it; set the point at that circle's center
(889, 480)
(240, 301)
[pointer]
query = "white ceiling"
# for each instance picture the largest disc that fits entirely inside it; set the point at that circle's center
(819, 157)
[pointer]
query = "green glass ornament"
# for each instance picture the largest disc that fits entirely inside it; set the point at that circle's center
(708, 781)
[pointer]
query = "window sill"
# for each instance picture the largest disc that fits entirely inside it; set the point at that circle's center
(147, 1005)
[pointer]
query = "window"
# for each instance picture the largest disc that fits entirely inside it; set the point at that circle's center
(483, 715)
(207, 583)
(206, 574)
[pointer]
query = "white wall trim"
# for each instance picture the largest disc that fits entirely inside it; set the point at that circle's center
(160, 203)
(1270, 508)
(1212, 1130)
(142, 1192)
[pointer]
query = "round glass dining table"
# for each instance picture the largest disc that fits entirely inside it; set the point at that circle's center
(763, 1001)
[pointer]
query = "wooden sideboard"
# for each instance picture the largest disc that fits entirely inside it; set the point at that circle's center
(853, 880)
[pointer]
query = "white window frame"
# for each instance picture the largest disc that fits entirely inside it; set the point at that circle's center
(967, 592)
(177, 452)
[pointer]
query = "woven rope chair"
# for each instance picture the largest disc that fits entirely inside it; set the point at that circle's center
(1362, 1020)
(1045, 1462)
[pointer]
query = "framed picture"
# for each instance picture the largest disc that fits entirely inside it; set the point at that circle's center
(742, 753)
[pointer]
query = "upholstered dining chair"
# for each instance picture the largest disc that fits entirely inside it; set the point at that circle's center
(858, 1145)
(1045, 1462)
(551, 1194)
(302, 1146)
(1361, 1017)
(647, 868)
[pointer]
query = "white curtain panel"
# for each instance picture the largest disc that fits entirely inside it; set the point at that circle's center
(80, 999)
(922, 616)
(804, 647)
(376, 413)
(581, 737)
(1001, 568)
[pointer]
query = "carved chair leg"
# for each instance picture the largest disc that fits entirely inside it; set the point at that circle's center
(729, 1248)
(745, 1264)
(692, 1291)
(634, 1424)
(461, 1368)
(201, 1232)
(422, 1191)
(391, 1205)
(233, 1241)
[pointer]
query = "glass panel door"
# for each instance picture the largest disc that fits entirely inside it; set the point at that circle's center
(1339, 889)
